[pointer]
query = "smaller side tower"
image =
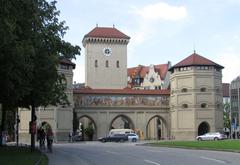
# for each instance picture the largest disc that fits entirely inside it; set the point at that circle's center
(196, 97)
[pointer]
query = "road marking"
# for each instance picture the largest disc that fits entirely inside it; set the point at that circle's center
(152, 150)
(216, 160)
(149, 161)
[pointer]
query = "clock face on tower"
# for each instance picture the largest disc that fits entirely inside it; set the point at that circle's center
(107, 51)
(151, 79)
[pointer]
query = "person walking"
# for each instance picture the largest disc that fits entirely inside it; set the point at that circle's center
(41, 138)
(70, 136)
(49, 136)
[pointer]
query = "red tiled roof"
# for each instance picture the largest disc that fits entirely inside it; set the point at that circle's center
(161, 69)
(68, 62)
(106, 32)
(225, 87)
(121, 91)
(195, 60)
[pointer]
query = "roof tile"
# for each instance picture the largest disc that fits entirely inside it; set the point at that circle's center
(195, 60)
(106, 32)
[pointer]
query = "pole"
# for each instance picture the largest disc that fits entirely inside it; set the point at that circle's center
(17, 133)
(33, 116)
(230, 116)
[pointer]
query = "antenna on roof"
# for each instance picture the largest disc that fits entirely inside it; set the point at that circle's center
(113, 26)
(96, 24)
(194, 50)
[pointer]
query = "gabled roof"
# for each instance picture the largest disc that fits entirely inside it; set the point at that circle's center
(196, 60)
(142, 70)
(106, 32)
(67, 62)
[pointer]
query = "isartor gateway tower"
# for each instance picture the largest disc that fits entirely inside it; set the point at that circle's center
(105, 58)
(194, 100)
(191, 105)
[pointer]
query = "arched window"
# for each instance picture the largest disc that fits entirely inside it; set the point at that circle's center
(117, 64)
(203, 105)
(184, 106)
(107, 63)
(203, 89)
(96, 63)
(184, 90)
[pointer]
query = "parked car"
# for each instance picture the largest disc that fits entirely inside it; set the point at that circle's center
(212, 136)
(114, 138)
(132, 137)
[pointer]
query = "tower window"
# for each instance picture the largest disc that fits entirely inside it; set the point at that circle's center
(117, 64)
(96, 63)
(184, 90)
(107, 63)
(203, 105)
(184, 106)
(203, 89)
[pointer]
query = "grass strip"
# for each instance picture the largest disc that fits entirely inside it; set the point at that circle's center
(11, 155)
(222, 145)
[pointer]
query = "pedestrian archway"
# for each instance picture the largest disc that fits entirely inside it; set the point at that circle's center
(203, 128)
(121, 122)
(87, 128)
(156, 128)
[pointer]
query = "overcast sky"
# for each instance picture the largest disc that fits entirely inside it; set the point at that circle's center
(161, 30)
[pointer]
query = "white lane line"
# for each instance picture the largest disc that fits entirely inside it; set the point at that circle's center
(152, 150)
(216, 160)
(149, 161)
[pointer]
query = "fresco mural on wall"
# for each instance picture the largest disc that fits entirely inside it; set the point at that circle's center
(120, 101)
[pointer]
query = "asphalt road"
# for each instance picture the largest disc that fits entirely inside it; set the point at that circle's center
(97, 153)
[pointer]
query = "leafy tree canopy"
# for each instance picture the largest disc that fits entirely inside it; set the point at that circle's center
(31, 44)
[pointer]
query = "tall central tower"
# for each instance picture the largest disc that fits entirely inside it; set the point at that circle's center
(105, 58)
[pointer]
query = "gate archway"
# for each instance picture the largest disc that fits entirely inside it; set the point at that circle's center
(156, 128)
(203, 128)
(121, 121)
(87, 128)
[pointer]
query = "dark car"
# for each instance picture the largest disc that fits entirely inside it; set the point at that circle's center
(114, 138)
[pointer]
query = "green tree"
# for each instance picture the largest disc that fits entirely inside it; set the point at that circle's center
(226, 116)
(89, 131)
(36, 37)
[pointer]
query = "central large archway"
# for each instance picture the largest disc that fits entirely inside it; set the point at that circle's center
(121, 122)
(203, 128)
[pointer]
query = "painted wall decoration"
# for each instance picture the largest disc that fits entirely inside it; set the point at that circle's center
(120, 101)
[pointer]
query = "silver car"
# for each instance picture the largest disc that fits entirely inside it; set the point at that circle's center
(211, 136)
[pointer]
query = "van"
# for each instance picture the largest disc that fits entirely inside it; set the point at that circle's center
(120, 131)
